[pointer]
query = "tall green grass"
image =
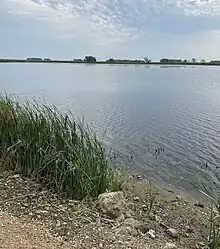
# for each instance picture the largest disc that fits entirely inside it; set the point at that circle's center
(43, 143)
(212, 191)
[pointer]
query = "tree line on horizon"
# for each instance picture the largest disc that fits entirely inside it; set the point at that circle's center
(93, 59)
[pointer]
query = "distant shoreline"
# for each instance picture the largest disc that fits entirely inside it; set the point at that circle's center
(109, 63)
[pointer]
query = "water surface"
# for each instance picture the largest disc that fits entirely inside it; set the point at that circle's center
(163, 121)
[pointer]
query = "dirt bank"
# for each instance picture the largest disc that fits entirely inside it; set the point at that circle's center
(33, 217)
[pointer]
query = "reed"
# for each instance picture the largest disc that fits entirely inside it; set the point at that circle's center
(41, 142)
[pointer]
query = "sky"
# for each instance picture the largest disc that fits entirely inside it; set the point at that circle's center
(67, 29)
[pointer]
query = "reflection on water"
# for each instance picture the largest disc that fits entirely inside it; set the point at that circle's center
(163, 122)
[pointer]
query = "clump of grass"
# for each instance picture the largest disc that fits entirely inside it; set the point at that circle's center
(213, 193)
(213, 240)
(43, 143)
(150, 199)
(214, 231)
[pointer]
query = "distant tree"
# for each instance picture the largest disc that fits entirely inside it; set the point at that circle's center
(203, 61)
(90, 59)
(111, 60)
(147, 60)
(193, 60)
(164, 60)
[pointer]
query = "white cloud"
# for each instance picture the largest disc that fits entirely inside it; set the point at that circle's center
(122, 16)
(84, 19)
(106, 23)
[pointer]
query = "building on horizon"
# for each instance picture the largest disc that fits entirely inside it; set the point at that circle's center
(216, 62)
(165, 60)
(77, 60)
(34, 59)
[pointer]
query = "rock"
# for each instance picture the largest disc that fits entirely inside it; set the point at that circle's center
(112, 204)
(128, 215)
(15, 176)
(151, 233)
(144, 208)
(186, 235)
(25, 204)
(170, 191)
(170, 246)
(136, 199)
(189, 229)
(41, 212)
(201, 245)
(199, 204)
(179, 198)
(153, 217)
(172, 232)
(144, 228)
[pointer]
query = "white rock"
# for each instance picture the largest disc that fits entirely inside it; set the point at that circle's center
(172, 232)
(16, 176)
(137, 199)
(112, 204)
(151, 233)
(144, 208)
(170, 246)
(179, 198)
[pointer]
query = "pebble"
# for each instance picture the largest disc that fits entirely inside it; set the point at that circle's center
(144, 228)
(25, 204)
(199, 204)
(137, 199)
(16, 176)
(170, 246)
(144, 208)
(179, 198)
(153, 217)
(151, 233)
(200, 245)
(170, 191)
(189, 229)
(41, 212)
(172, 232)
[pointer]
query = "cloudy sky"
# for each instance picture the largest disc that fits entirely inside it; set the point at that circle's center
(68, 29)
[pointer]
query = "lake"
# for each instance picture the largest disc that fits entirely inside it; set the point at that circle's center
(163, 122)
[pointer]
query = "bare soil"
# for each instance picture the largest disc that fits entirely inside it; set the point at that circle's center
(33, 217)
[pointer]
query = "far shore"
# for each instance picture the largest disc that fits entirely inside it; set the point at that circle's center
(109, 63)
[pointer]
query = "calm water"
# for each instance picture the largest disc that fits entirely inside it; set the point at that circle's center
(138, 110)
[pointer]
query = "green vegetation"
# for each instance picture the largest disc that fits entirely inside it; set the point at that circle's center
(212, 192)
(42, 143)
